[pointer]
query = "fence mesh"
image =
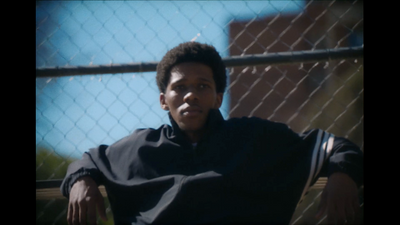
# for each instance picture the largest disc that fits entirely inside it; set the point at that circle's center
(75, 113)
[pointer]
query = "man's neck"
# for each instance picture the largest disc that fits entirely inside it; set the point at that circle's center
(194, 136)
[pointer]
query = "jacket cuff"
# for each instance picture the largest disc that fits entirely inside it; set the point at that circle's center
(69, 181)
(353, 171)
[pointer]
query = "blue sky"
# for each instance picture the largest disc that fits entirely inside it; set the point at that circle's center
(77, 113)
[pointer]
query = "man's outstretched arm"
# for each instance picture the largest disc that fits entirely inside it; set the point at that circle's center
(342, 162)
(80, 186)
(84, 199)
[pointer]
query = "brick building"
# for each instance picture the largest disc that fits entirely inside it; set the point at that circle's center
(301, 95)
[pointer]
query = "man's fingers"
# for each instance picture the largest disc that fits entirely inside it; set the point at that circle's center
(82, 206)
(69, 215)
(357, 211)
(331, 213)
(75, 214)
(101, 208)
(91, 214)
(341, 214)
(322, 206)
(356, 206)
(350, 216)
(350, 213)
(321, 210)
(85, 211)
(82, 213)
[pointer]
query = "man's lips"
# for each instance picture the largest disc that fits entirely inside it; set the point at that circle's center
(191, 111)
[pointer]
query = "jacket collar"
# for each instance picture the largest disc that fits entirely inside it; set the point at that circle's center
(213, 121)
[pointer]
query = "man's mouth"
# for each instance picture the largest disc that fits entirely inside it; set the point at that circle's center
(192, 111)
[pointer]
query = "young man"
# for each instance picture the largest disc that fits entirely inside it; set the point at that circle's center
(204, 169)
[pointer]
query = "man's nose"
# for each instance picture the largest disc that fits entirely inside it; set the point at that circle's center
(191, 95)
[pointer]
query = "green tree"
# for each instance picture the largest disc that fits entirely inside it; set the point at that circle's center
(50, 165)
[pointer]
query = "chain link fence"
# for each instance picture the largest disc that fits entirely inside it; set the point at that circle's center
(297, 62)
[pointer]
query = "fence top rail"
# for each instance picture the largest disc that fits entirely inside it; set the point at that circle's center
(277, 58)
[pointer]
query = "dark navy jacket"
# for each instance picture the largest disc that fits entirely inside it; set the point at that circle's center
(243, 170)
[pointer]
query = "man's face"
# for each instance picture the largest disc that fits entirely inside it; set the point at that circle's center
(190, 94)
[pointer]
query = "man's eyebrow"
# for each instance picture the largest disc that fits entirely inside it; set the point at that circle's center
(204, 79)
(178, 81)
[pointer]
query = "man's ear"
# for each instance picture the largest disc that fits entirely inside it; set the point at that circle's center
(163, 103)
(218, 102)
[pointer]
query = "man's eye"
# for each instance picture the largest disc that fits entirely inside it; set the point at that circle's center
(179, 87)
(202, 86)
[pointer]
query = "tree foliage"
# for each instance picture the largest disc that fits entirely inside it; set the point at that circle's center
(49, 165)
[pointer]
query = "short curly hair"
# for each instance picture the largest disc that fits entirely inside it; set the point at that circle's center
(192, 52)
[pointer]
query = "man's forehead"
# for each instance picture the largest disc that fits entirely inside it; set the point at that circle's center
(190, 65)
(178, 78)
(191, 71)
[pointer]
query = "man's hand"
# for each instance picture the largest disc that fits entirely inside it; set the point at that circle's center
(340, 200)
(84, 198)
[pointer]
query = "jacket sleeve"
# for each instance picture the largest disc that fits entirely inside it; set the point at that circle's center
(332, 154)
(83, 167)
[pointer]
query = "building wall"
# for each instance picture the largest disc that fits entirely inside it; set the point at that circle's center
(278, 92)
